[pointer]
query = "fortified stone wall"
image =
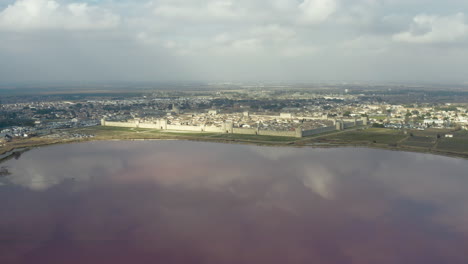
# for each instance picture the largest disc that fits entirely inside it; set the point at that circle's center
(245, 131)
(149, 125)
(185, 128)
(121, 124)
(277, 133)
(312, 118)
(265, 116)
(228, 128)
(348, 124)
(214, 129)
(311, 132)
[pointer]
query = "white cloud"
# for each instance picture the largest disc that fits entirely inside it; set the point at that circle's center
(274, 32)
(209, 11)
(298, 51)
(50, 14)
(257, 40)
(196, 34)
(247, 45)
(283, 4)
(365, 44)
(317, 11)
(38, 175)
(319, 180)
(435, 29)
(222, 38)
(146, 38)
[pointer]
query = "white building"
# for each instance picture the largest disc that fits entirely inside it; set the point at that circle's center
(433, 121)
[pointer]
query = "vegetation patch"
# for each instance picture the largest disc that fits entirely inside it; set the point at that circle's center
(374, 135)
(420, 141)
(456, 144)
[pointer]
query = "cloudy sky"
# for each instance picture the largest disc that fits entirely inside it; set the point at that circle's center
(234, 40)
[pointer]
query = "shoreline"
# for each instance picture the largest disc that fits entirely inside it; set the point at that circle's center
(10, 153)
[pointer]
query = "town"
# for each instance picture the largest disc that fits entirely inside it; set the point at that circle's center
(250, 109)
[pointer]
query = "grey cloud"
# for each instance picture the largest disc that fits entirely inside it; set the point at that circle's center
(302, 40)
(44, 14)
(435, 29)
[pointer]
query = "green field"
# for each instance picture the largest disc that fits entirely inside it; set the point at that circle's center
(420, 141)
(379, 137)
(431, 132)
(367, 136)
(459, 143)
(414, 140)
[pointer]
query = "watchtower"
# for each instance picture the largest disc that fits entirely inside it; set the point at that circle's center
(228, 127)
(299, 132)
(339, 125)
(365, 120)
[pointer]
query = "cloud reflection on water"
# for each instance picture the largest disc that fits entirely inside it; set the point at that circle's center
(239, 204)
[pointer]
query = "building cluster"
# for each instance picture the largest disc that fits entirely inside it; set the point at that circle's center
(281, 122)
(421, 117)
(256, 108)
